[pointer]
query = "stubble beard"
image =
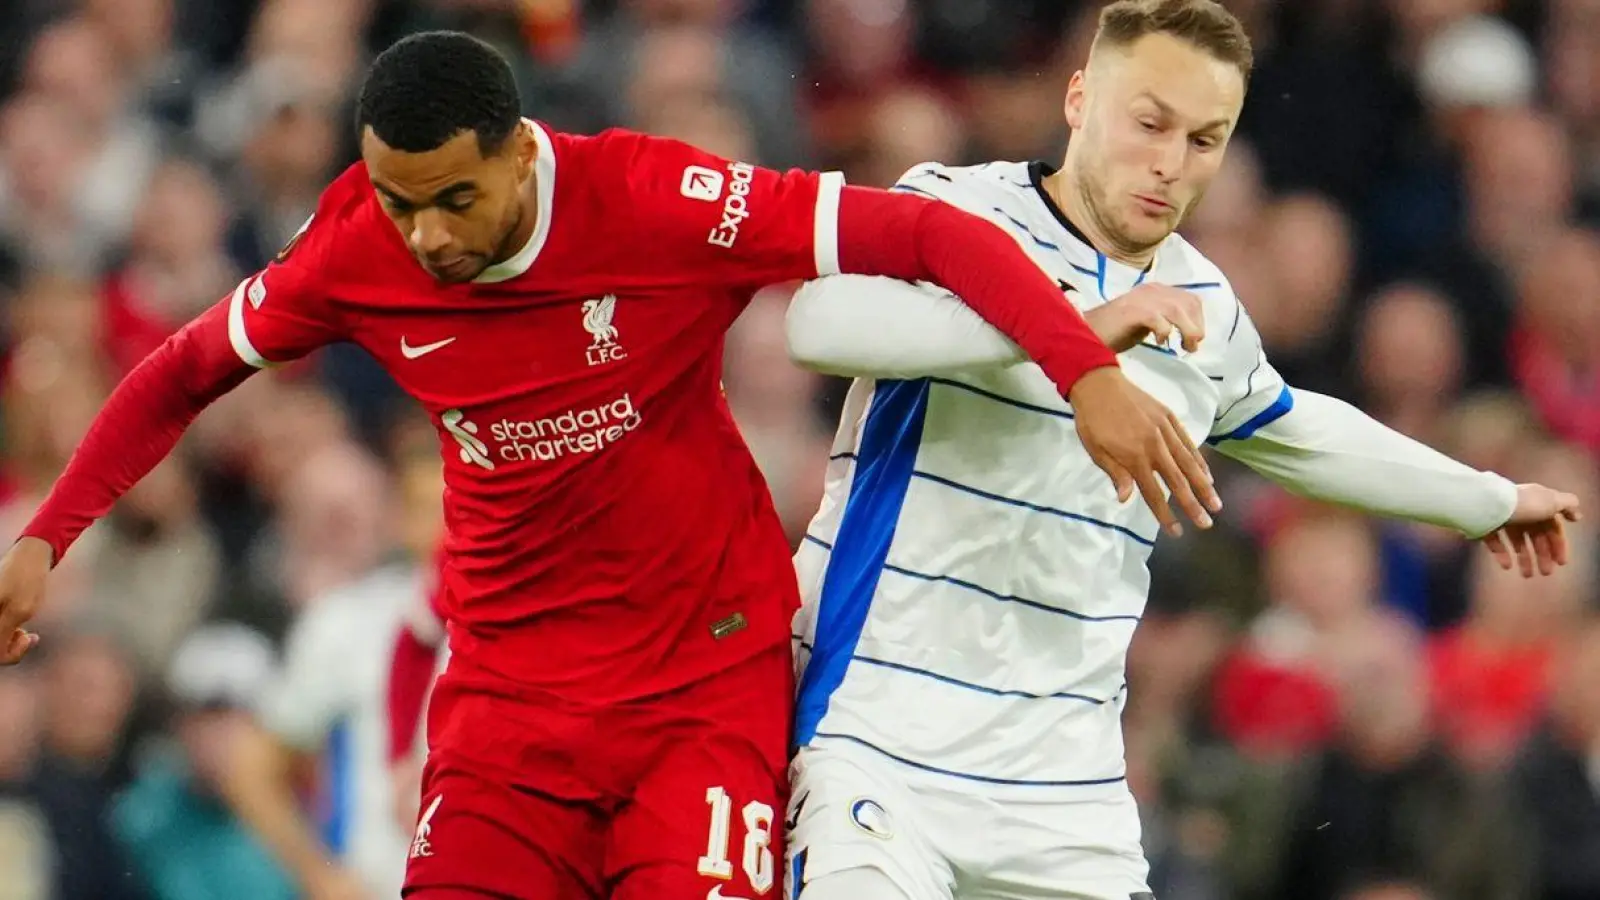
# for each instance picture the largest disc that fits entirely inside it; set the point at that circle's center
(1097, 207)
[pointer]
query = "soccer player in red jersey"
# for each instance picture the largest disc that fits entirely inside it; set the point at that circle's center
(615, 715)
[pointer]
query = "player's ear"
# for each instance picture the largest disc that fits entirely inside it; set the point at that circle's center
(1077, 100)
(527, 150)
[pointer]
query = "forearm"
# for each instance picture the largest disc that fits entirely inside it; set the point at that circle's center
(862, 326)
(260, 791)
(1327, 450)
(907, 237)
(139, 425)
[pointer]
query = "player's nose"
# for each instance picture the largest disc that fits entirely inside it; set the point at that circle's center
(1170, 158)
(430, 236)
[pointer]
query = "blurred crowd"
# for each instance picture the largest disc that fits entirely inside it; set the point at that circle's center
(1322, 707)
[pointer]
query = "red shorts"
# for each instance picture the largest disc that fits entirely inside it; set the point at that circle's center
(678, 798)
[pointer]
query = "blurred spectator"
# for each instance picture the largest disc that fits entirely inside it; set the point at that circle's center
(27, 850)
(1274, 694)
(1555, 348)
(185, 842)
(87, 692)
(772, 401)
(157, 568)
(1383, 802)
(1491, 675)
(328, 704)
(1558, 778)
(1410, 358)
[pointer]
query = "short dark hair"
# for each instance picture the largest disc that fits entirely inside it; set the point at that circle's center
(1204, 23)
(431, 86)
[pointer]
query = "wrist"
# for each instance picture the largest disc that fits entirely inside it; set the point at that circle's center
(35, 547)
(1090, 375)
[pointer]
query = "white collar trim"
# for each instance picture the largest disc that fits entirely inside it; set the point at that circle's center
(544, 177)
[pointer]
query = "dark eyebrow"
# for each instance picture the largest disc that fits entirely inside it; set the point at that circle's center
(1169, 112)
(448, 193)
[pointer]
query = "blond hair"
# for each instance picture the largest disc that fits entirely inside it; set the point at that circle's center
(1204, 23)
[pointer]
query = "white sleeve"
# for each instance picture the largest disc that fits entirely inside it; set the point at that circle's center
(862, 326)
(311, 690)
(865, 326)
(1252, 392)
(1326, 449)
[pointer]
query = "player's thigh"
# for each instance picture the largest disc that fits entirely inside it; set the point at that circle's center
(479, 835)
(1089, 850)
(847, 815)
(853, 884)
(705, 816)
(704, 821)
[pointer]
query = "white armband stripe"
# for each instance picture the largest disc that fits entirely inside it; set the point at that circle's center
(830, 189)
(236, 333)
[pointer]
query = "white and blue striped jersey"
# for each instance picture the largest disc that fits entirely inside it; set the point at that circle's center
(971, 583)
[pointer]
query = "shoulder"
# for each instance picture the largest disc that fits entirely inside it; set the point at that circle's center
(1182, 264)
(992, 179)
(340, 237)
(983, 189)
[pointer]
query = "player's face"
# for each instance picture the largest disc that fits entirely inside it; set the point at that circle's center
(1150, 125)
(458, 210)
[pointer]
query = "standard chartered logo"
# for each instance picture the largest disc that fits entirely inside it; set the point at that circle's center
(574, 432)
(466, 434)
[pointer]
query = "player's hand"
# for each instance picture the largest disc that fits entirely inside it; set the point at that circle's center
(1150, 310)
(1535, 536)
(1141, 444)
(23, 572)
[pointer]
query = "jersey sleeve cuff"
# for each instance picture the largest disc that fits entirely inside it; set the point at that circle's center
(237, 336)
(830, 187)
(1277, 410)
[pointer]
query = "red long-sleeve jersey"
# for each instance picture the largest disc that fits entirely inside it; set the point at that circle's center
(609, 535)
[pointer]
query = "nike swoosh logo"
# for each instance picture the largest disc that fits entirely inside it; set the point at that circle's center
(410, 352)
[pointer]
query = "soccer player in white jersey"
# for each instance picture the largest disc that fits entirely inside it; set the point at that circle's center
(972, 581)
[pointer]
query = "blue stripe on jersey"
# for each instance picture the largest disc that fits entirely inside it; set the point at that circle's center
(980, 688)
(999, 398)
(1260, 420)
(1039, 508)
(338, 788)
(980, 589)
(965, 775)
(1054, 248)
(1010, 501)
(910, 189)
(888, 455)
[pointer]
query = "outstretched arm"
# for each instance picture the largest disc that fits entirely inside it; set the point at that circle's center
(275, 315)
(1326, 449)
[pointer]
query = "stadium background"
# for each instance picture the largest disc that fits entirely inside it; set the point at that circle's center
(1321, 708)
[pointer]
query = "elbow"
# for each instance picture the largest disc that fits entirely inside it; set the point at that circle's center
(806, 329)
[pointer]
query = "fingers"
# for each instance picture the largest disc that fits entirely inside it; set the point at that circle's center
(1524, 551)
(1159, 326)
(21, 642)
(1183, 475)
(1558, 542)
(1188, 452)
(1189, 318)
(1495, 541)
(1121, 479)
(1156, 499)
(1543, 552)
